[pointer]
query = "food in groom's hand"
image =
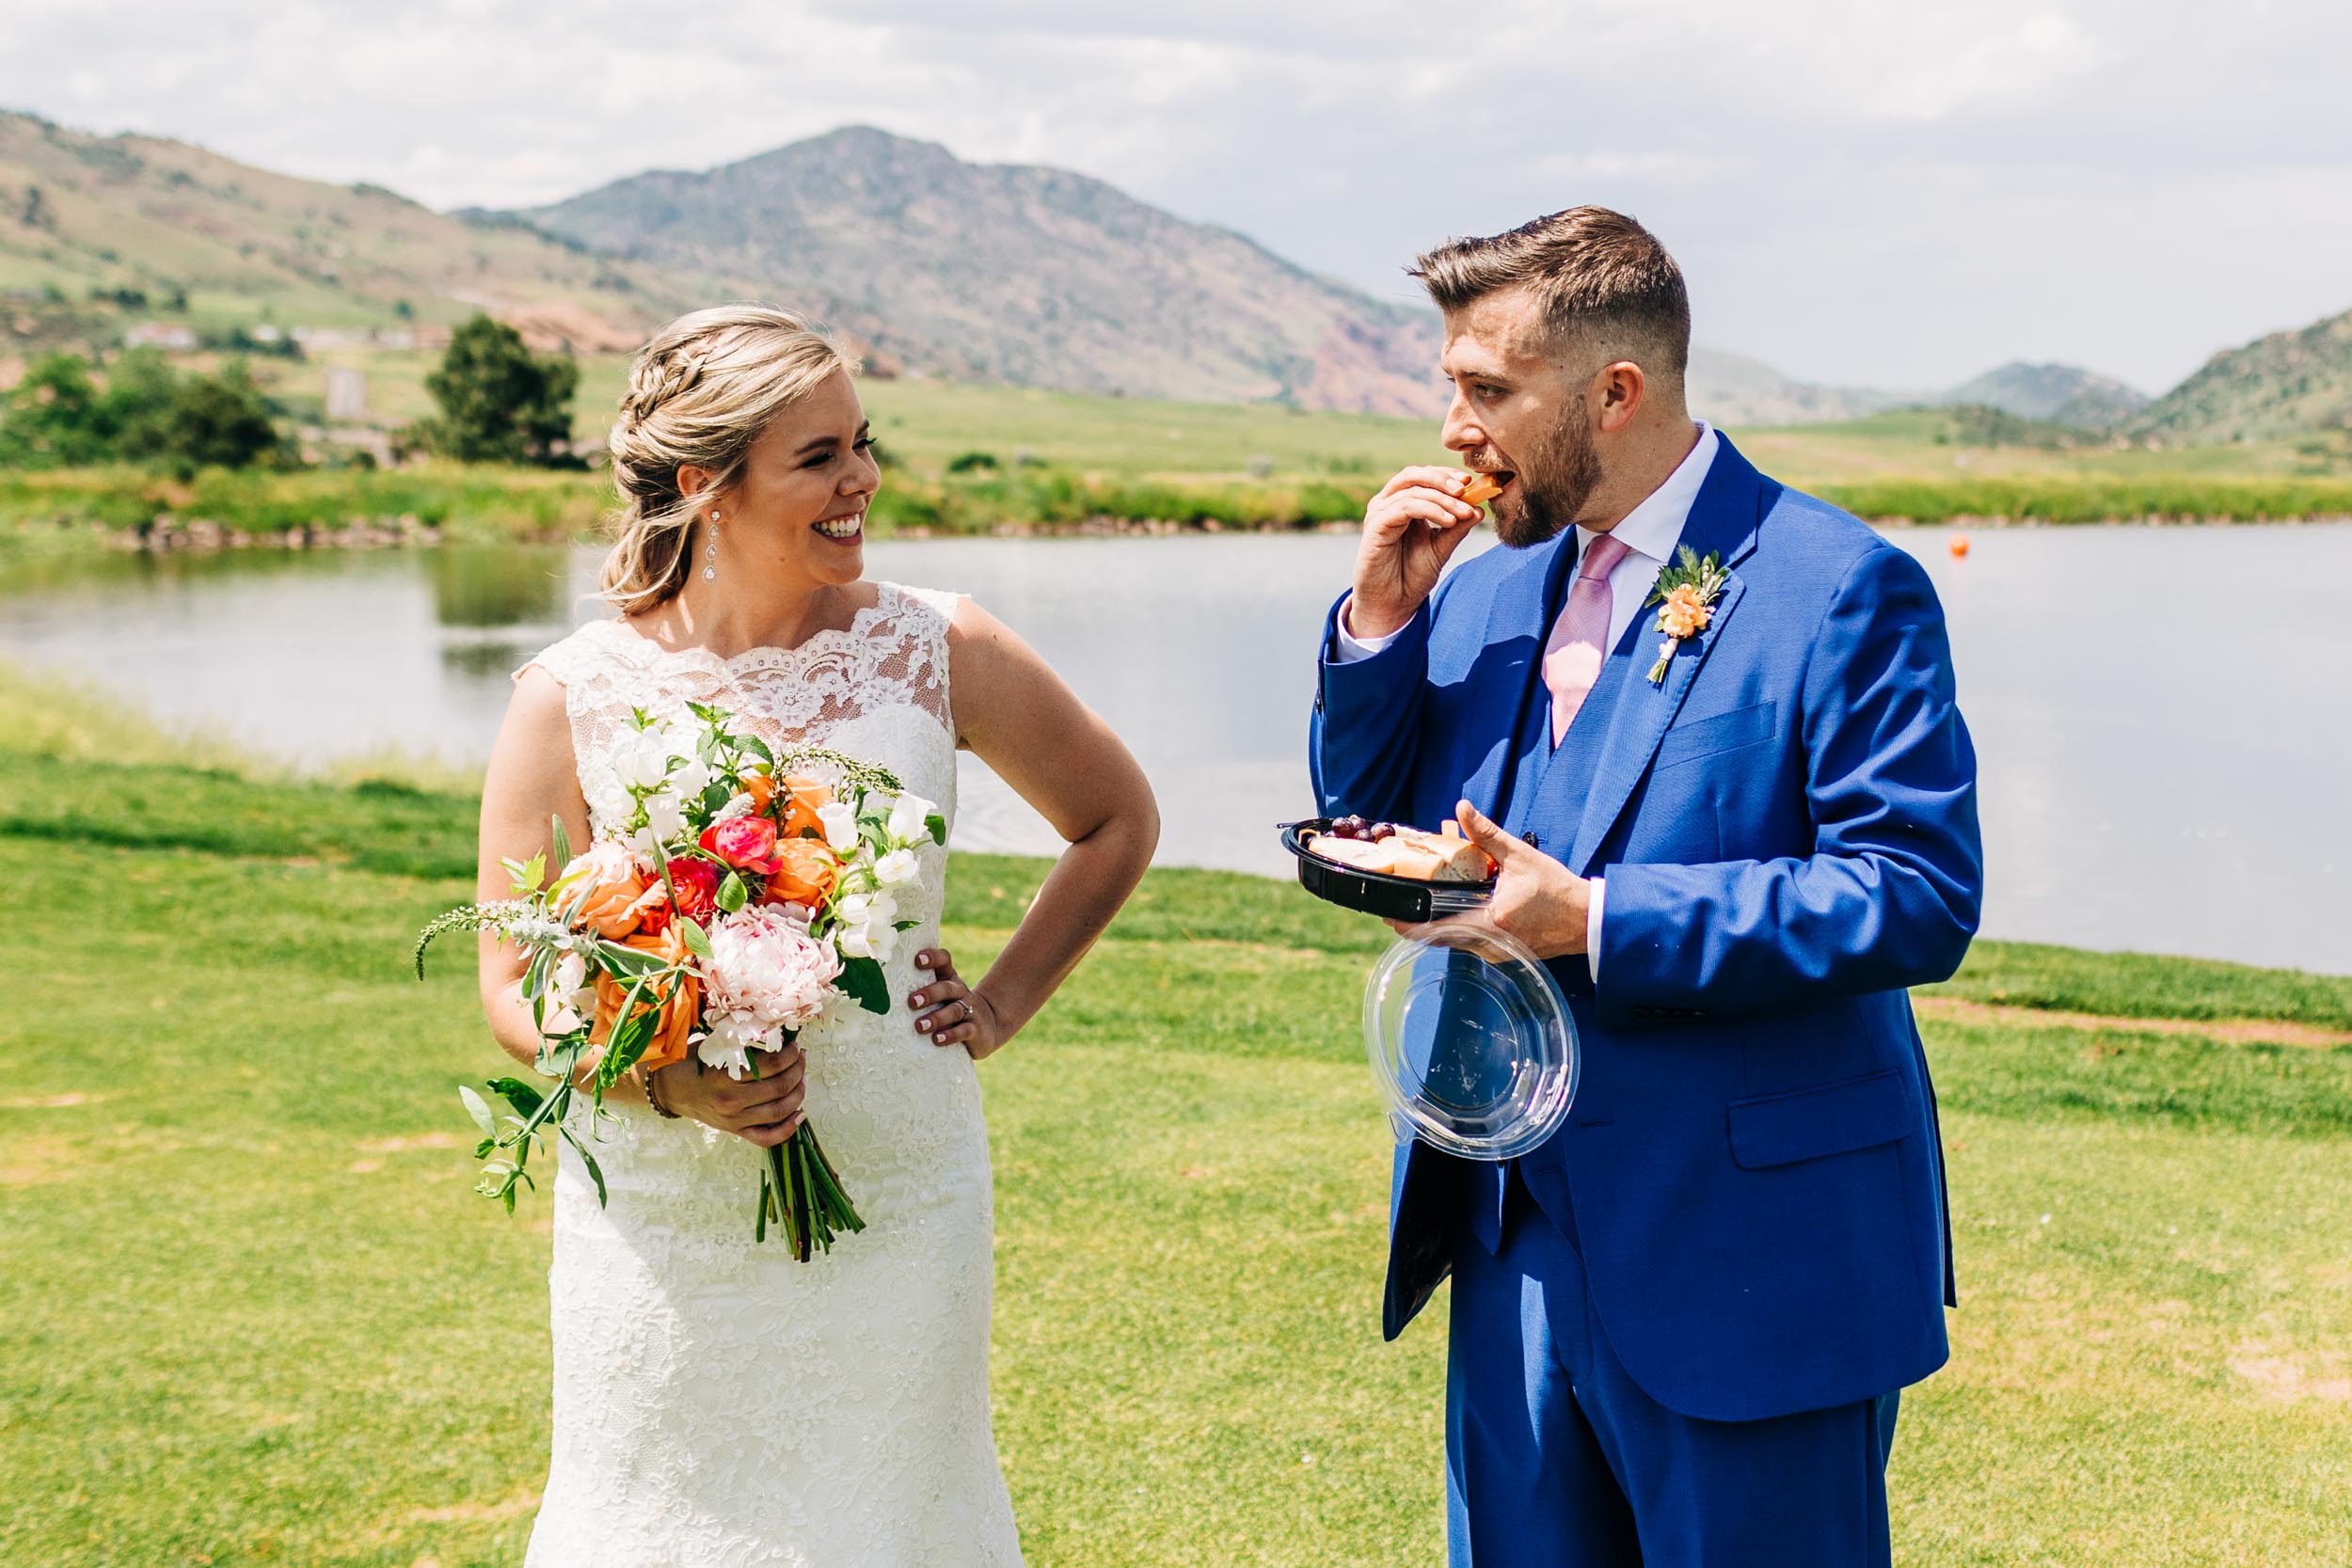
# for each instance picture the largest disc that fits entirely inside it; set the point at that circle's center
(1482, 489)
(1396, 850)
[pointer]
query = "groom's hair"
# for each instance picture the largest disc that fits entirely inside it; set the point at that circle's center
(1605, 283)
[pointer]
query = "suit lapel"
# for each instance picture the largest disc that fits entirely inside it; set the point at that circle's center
(1515, 624)
(1723, 521)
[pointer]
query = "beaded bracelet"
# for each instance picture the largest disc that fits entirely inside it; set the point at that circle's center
(645, 1081)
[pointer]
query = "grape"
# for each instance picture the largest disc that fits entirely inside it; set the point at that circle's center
(1381, 831)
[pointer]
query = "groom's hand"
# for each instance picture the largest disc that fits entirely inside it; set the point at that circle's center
(1536, 898)
(1412, 529)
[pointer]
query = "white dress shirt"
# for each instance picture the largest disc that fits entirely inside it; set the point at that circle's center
(1648, 533)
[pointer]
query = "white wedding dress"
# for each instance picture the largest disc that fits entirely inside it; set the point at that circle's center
(718, 1405)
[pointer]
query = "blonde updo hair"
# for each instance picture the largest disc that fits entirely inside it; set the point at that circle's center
(699, 394)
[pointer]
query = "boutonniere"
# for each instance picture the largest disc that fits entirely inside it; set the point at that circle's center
(1687, 590)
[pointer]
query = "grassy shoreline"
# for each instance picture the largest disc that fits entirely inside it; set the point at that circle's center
(82, 510)
(256, 1317)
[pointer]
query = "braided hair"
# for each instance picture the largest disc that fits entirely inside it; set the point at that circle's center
(699, 394)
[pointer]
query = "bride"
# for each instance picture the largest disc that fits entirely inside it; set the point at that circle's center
(717, 1402)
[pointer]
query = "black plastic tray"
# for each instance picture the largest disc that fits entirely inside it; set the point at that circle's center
(1407, 899)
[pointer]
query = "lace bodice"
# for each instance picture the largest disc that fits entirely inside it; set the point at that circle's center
(889, 664)
(717, 1405)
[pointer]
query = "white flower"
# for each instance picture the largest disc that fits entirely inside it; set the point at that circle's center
(571, 996)
(691, 777)
(644, 846)
(731, 1041)
(865, 930)
(664, 815)
(641, 760)
(839, 820)
(896, 868)
(909, 820)
(738, 804)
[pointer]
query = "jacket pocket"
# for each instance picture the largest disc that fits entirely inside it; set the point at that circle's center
(1810, 1124)
(1722, 732)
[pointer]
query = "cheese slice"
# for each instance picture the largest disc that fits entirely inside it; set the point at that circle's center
(1408, 853)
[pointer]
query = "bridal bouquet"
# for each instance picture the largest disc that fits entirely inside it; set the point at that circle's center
(740, 903)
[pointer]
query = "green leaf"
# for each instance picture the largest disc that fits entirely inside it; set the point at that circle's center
(518, 1094)
(756, 747)
(561, 839)
(937, 825)
(905, 924)
(479, 1109)
(622, 963)
(862, 980)
(596, 1172)
(732, 893)
(697, 940)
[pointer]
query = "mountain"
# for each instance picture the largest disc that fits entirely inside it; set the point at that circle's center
(98, 229)
(1731, 390)
(2293, 383)
(2056, 394)
(1001, 272)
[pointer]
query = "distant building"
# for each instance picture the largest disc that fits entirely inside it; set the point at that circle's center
(346, 394)
(159, 335)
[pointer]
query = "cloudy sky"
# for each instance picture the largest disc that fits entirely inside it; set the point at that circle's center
(1896, 193)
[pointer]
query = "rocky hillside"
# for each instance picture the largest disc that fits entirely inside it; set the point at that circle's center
(97, 233)
(1011, 272)
(1734, 390)
(2055, 394)
(2288, 383)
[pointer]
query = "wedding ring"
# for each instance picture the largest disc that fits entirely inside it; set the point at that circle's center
(966, 1003)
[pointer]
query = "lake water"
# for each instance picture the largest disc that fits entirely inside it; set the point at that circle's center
(2164, 716)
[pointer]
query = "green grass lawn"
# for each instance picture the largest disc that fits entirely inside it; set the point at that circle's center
(254, 1315)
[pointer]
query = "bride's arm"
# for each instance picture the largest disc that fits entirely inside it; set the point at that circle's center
(531, 780)
(1015, 714)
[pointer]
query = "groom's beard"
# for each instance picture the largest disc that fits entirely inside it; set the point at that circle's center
(1555, 484)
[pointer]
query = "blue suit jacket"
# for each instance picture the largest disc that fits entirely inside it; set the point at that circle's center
(1788, 826)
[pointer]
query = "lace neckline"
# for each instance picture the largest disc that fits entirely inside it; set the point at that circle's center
(887, 597)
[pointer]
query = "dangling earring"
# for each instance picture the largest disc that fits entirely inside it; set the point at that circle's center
(710, 570)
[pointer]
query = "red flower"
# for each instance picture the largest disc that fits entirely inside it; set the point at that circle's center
(697, 884)
(746, 843)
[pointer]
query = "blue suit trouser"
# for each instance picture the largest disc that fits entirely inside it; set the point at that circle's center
(1555, 1458)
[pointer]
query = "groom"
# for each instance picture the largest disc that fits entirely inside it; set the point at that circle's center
(1678, 1328)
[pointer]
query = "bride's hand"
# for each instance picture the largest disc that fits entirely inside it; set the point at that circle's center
(763, 1110)
(956, 1015)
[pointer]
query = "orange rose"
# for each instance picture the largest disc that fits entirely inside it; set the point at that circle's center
(806, 871)
(804, 799)
(680, 997)
(1685, 613)
(762, 787)
(616, 889)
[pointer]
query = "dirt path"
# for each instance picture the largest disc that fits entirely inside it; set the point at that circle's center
(2244, 1031)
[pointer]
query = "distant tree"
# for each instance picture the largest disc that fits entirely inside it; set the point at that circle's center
(405, 310)
(500, 403)
(55, 417)
(222, 422)
(141, 390)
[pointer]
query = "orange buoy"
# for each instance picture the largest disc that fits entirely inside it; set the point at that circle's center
(1960, 547)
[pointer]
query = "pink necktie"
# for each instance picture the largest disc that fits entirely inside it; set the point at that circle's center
(1580, 638)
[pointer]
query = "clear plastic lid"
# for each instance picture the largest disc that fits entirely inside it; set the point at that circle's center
(1471, 1040)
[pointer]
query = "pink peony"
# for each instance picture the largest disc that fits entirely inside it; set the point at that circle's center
(765, 976)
